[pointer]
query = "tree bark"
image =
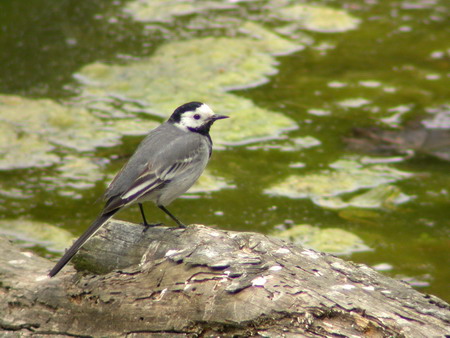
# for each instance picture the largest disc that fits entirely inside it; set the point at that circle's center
(201, 281)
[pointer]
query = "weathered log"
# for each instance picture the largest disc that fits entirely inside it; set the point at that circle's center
(203, 281)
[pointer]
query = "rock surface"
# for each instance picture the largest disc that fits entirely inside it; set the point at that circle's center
(201, 281)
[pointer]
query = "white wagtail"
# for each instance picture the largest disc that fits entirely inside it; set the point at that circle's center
(165, 165)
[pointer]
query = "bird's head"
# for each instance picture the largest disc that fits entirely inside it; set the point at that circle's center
(195, 117)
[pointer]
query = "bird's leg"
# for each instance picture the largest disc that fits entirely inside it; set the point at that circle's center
(146, 225)
(163, 208)
(143, 214)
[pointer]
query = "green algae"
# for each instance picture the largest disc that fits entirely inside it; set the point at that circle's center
(305, 142)
(354, 102)
(32, 130)
(43, 133)
(76, 173)
(209, 183)
(28, 233)
(200, 69)
(165, 10)
(290, 144)
(302, 16)
(19, 150)
(318, 18)
(271, 42)
(249, 123)
(384, 196)
(331, 240)
(345, 176)
(131, 127)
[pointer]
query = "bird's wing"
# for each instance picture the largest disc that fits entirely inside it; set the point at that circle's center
(173, 159)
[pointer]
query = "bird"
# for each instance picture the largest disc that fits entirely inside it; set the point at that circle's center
(167, 162)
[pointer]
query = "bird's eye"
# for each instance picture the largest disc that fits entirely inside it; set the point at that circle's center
(197, 116)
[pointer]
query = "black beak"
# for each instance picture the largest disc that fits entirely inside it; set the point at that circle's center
(219, 117)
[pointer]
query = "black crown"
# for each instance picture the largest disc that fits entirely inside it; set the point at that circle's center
(191, 106)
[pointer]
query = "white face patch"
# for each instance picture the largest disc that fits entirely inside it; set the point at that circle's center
(195, 119)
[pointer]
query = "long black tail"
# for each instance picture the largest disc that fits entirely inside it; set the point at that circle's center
(80, 241)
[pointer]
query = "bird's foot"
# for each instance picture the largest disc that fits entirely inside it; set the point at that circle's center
(151, 225)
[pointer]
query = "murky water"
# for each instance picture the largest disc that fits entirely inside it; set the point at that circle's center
(82, 81)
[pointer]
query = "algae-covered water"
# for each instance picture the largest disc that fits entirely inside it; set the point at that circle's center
(81, 82)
